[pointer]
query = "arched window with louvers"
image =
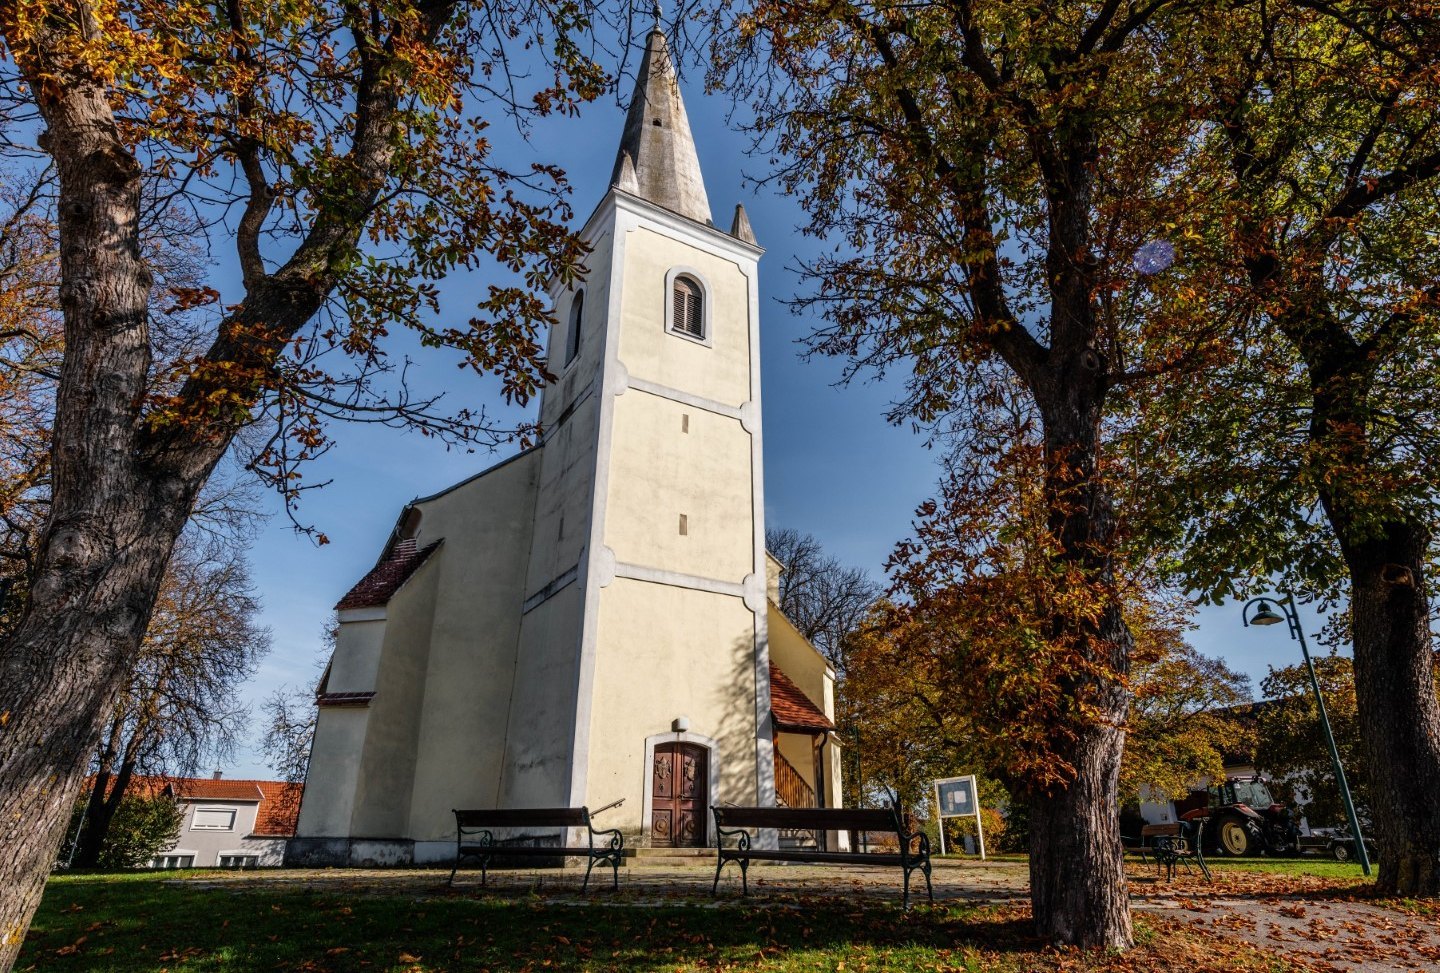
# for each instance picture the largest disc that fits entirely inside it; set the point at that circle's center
(687, 314)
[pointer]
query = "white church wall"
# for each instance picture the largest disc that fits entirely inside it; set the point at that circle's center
(661, 473)
(718, 370)
(474, 636)
(335, 753)
(540, 735)
(382, 797)
(667, 652)
(800, 660)
(356, 659)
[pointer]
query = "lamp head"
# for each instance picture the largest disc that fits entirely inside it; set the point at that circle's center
(1265, 615)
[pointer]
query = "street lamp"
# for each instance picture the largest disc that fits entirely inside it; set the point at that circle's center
(1265, 615)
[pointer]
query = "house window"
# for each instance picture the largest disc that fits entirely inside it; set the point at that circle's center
(689, 307)
(213, 819)
(173, 861)
(239, 861)
(572, 336)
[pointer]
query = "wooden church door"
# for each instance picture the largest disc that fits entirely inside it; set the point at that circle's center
(678, 789)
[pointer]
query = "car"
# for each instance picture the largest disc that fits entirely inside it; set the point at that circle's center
(1342, 846)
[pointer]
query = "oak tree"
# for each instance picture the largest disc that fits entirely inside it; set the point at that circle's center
(336, 154)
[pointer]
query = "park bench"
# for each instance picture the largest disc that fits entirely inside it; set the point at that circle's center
(475, 838)
(1177, 843)
(734, 822)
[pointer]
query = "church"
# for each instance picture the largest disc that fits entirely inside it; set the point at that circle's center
(592, 621)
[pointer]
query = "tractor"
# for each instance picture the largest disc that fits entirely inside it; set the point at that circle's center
(1242, 818)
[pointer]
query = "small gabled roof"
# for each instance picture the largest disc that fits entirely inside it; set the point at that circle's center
(393, 570)
(791, 708)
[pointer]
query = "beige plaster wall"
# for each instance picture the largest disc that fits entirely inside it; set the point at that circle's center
(540, 736)
(356, 659)
(720, 371)
(474, 637)
(382, 792)
(328, 805)
(796, 748)
(571, 380)
(659, 472)
(799, 660)
(666, 652)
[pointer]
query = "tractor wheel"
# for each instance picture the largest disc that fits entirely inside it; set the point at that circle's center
(1341, 851)
(1234, 837)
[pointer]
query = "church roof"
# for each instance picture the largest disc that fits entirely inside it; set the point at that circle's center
(385, 578)
(791, 708)
(657, 159)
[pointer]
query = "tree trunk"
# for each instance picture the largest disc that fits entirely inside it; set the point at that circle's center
(1078, 891)
(114, 515)
(1399, 713)
(1385, 551)
(100, 812)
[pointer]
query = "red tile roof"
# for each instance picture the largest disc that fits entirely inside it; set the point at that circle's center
(791, 708)
(280, 810)
(208, 789)
(394, 569)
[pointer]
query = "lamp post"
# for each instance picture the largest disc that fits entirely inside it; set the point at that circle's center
(1265, 615)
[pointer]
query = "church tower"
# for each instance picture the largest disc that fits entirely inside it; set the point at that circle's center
(590, 621)
(661, 343)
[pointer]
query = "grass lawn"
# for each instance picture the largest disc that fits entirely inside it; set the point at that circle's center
(1319, 867)
(154, 922)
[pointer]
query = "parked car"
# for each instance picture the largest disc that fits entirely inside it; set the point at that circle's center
(1342, 845)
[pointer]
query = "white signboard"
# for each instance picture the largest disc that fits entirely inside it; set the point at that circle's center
(957, 797)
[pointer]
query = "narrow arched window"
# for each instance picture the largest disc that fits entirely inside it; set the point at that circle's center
(689, 307)
(572, 336)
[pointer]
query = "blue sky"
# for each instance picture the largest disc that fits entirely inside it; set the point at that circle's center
(833, 466)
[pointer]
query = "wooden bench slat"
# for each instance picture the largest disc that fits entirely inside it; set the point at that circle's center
(825, 857)
(539, 817)
(806, 818)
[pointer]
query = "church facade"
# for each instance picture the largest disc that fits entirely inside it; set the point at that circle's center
(593, 620)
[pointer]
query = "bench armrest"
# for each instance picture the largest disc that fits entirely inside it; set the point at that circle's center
(922, 853)
(615, 837)
(741, 836)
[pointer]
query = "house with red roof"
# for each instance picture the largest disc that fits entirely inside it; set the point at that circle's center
(592, 621)
(227, 823)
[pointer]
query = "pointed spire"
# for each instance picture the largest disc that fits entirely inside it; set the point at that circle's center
(625, 174)
(657, 139)
(740, 226)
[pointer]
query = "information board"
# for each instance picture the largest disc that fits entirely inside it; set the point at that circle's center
(956, 797)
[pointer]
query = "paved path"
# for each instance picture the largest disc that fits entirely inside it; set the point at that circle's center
(1327, 926)
(1317, 923)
